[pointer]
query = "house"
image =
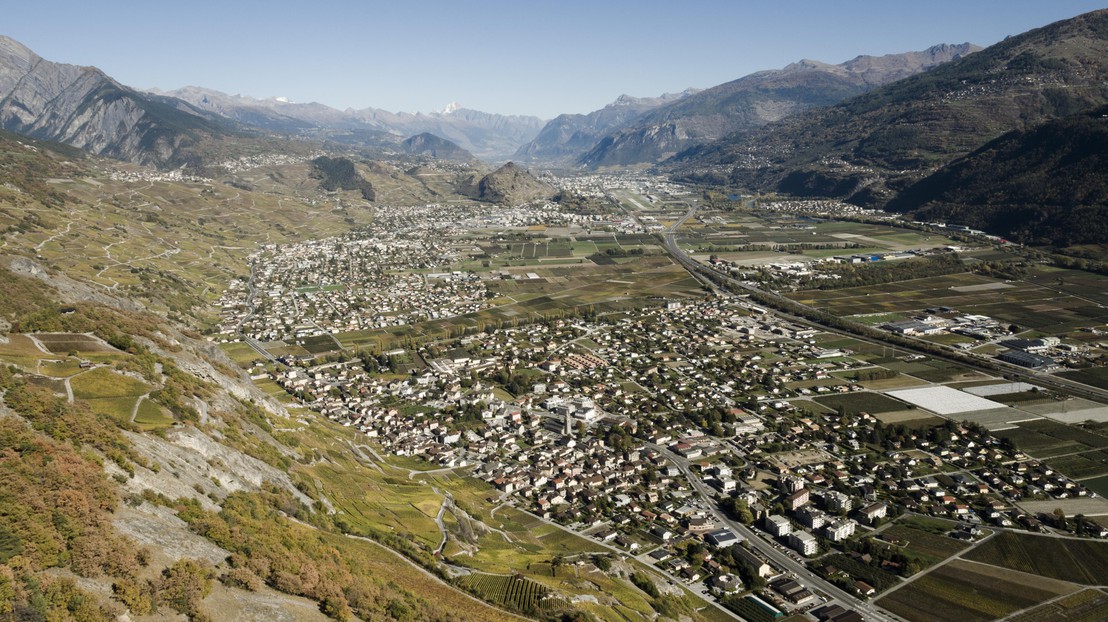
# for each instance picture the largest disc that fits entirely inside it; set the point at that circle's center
(874, 511)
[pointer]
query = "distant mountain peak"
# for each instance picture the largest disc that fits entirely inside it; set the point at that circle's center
(451, 107)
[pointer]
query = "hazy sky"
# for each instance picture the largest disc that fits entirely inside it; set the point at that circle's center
(523, 57)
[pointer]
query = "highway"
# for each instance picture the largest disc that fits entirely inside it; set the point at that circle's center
(1021, 373)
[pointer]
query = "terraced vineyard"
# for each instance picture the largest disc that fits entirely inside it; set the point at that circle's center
(513, 592)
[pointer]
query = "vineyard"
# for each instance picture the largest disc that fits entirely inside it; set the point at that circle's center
(512, 592)
(964, 592)
(751, 609)
(1086, 606)
(1080, 561)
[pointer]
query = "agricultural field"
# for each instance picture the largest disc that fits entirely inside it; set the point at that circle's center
(1084, 606)
(966, 592)
(927, 547)
(61, 343)
(858, 402)
(1065, 559)
(1099, 485)
(111, 394)
(1042, 438)
(1094, 376)
(1034, 303)
(513, 592)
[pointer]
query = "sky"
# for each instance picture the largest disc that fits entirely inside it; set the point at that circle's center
(534, 57)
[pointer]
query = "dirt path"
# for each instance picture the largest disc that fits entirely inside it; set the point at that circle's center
(135, 408)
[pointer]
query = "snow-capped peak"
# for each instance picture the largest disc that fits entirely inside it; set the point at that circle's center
(451, 107)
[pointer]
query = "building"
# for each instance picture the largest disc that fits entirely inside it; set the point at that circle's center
(1026, 359)
(840, 529)
(721, 538)
(797, 499)
(756, 564)
(778, 525)
(804, 543)
(874, 511)
(837, 501)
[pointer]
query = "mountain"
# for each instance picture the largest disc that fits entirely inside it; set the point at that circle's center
(340, 174)
(83, 107)
(756, 100)
(870, 147)
(568, 136)
(276, 114)
(509, 184)
(430, 145)
(487, 135)
(1045, 184)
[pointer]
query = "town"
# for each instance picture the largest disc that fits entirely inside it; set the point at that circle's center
(735, 451)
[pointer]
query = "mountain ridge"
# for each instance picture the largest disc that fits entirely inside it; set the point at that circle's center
(756, 100)
(85, 108)
(868, 148)
(568, 135)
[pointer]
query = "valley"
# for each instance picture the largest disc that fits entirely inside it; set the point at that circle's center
(822, 343)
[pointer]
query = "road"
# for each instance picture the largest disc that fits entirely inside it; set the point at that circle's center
(251, 308)
(769, 551)
(1014, 371)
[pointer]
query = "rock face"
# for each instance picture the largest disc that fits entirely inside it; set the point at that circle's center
(568, 136)
(754, 101)
(83, 107)
(340, 174)
(430, 145)
(511, 184)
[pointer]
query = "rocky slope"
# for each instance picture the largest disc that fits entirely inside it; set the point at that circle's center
(1042, 185)
(83, 107)
(754, 101)
(428, 144)
(508, 185)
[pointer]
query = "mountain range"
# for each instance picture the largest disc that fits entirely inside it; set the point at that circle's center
(868, 148)
(85, 108)
(876, 130)
(567, 136)
(754, 101)
(486, 135)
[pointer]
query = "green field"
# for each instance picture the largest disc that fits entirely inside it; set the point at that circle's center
(150, 416)
(924, 546)
(511, 591)
(1094, 376)
(1099, 485)
(104, 383)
